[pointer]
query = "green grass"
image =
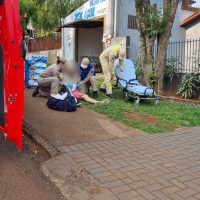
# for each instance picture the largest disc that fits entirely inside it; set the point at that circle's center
(170, 114)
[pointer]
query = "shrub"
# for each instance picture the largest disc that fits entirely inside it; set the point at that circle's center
(189, 85)
(138, 68)
(171, 68)
(152, 78)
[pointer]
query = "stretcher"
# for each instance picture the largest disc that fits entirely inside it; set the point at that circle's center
(132, 88)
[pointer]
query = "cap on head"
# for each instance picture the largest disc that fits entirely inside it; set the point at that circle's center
(122, 53)
(85, 62)
(61, 59)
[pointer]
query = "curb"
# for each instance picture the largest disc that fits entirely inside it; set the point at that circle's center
(39, 139)
(186, 101)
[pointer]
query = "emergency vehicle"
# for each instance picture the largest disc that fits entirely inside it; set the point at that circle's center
(11, 72)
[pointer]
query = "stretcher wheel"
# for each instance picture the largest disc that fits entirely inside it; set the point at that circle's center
(126, 96)
(156, 101)
(137, 101)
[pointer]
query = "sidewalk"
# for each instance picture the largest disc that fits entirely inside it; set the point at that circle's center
(114, 162)
(62, 128)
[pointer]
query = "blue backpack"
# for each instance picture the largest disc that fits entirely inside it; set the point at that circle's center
(67, 105)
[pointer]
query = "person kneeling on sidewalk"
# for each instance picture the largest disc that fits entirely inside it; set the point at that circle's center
(88, 78)
(50, 80)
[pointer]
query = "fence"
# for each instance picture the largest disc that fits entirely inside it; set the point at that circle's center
(44, 43)
(187, 54)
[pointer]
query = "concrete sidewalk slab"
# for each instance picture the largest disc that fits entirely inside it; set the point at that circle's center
(61, 128)
(74, 181)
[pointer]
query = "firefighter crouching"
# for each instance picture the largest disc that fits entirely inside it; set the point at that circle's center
(107, 59)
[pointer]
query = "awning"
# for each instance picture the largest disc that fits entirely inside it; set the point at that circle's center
(84, 24)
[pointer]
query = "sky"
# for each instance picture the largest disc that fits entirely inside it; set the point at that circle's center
(197, 4)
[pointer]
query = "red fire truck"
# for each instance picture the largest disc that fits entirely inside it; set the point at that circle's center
(11, 72)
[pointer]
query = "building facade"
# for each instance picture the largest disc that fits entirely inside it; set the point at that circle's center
(84, 29)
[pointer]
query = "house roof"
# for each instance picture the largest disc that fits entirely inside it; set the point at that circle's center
(187, 5)
(191, 19)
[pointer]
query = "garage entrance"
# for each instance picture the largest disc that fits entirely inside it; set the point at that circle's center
(88, 40)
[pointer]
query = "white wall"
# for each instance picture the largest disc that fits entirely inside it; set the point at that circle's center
(108, 23)
(193, 31)
(128, 8)
(178, 33)
(68, 43)
(192, 51)
(102, 9)
(90, 42)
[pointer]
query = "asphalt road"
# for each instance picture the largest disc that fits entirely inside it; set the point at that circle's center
(20, 177)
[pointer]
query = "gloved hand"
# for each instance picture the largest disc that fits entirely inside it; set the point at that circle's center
(78, 85)
(114, 78)
(69, 85)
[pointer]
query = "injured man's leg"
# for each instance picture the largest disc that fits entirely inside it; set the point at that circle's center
(88, 99)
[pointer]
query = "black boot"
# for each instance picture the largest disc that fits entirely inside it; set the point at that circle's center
(36, 92)
(103, 90)
(111, 96)
(78, 103)
(95, 95)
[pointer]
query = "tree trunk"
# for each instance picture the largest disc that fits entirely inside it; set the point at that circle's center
(146, 47)
(160, 62)
(149, 59)
(163, 40)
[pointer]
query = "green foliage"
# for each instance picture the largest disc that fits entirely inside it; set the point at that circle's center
(171, 67)
(138, 71)
(156, 22)
(28, 9)
(170, 114)
(138, 68)
(189, 85)
(46, 15)
(152, 78)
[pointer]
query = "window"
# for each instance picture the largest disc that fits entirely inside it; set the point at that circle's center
(132, 22)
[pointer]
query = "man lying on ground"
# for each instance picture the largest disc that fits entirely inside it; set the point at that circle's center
(71, 79)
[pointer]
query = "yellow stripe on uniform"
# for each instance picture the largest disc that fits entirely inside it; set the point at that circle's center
(116, 48)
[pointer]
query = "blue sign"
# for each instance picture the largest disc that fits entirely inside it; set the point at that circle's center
(90, 11)
(35, 65)
(95, 2)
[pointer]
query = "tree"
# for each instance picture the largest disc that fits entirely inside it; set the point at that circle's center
(155, 24)
(28, 9)
(46, 15)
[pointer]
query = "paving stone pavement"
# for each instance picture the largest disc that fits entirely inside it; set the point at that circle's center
(147, 167)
